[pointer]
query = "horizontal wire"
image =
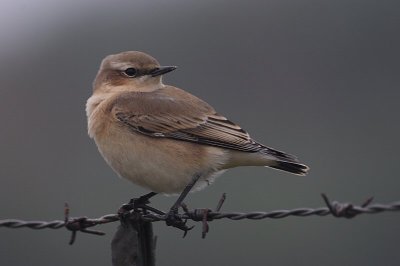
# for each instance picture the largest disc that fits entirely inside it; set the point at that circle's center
(198, 214)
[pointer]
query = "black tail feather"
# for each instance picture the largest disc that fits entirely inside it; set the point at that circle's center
(295, 168)
(280, 155)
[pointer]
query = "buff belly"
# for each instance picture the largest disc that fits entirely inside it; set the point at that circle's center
(159, 164)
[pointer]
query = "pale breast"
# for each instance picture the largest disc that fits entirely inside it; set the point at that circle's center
(159, 164)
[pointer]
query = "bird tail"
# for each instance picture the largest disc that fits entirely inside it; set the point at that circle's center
(292, 167)
(285, 162)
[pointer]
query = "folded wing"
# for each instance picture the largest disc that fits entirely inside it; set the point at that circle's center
(173, 113)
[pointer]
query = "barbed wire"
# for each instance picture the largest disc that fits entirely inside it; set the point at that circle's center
(334, 208)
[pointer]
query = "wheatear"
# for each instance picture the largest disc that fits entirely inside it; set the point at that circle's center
(163, 138)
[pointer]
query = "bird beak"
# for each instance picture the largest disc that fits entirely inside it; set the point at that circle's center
(162, 70)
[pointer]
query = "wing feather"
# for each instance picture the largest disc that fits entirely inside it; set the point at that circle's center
(173, 113)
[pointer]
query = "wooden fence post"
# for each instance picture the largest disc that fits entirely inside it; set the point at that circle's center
(134, 243)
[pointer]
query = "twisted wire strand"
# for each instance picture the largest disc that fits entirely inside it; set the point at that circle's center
(57, 224)
(343, 210)
(14, 223)
(197, 214)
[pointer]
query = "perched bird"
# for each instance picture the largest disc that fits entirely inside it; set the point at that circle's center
(163, 138)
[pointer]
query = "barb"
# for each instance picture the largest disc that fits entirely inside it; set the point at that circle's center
(82, 223)
(334, 208)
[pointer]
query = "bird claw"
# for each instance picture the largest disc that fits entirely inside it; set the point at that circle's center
(138, 203)
(173, 219)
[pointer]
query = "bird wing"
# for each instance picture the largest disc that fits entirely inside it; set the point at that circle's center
(173, 113)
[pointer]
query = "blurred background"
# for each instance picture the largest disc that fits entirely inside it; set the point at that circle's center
(319, 79)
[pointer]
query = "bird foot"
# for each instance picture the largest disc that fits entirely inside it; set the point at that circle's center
(173, 219)
(138, 203)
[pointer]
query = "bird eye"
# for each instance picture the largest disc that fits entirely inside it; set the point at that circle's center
(130, 72)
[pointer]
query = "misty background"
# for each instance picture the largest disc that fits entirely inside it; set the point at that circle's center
(318, 79)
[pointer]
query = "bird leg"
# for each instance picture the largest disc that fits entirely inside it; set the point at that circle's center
(172, 218)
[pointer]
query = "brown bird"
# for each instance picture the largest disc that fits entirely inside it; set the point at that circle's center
(164, 138)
